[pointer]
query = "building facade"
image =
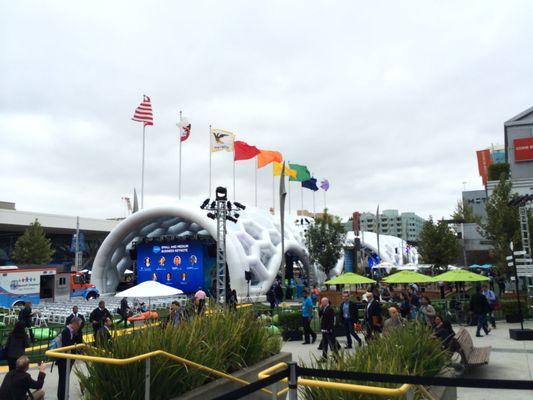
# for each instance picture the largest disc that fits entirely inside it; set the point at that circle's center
(477, 200)
(406, 225)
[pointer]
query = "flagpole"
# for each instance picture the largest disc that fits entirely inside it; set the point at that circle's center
(210, 152)
(256, 182)
(179, 189)
(142, 168)
(234, 195)
(302, 194)
(325, 204)
(289, 185)
(314, 205)
(273, 191)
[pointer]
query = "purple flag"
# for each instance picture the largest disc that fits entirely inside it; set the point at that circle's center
(324, 185)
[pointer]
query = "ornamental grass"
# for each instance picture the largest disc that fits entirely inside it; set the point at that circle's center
(224, 340)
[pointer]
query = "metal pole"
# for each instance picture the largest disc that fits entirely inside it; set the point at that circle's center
(221, 211)
(325, 204)
(256, 182)
(210, 152)
(302, 196)
(273, 191)
(289, 192)
(147, 380)
(517, 290)
(179, 188)
(293, 381)
(67, 379)
(142, 169)
(314, 205)
(77, 255)
(234, 192)
(464, 243)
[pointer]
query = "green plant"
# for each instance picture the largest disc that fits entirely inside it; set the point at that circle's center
(289, 321)
(411, 350)
(225, 341)
(511, 308)
(33, 247)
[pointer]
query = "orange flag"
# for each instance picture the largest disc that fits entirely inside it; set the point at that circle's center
(265, 157)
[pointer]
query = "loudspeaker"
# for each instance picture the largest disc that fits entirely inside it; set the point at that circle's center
(247, 275)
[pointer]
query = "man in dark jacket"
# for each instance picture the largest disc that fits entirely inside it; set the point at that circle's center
(26, 316)
(124, 307)
(78, 337)
(373, 320)
(103, 337)
(348, 315)
(327, 325)
(67, 339)
(97, 317)
(17, 383)
(479, 306)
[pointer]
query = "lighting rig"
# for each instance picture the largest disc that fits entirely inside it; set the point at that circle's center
(221, 210)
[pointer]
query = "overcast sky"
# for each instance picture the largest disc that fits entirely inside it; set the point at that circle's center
(387, 100)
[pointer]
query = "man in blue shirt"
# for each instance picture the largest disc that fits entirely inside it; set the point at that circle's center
(307, 316)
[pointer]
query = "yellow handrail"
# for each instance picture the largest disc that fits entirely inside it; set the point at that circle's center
(60, 353)
(348, 387)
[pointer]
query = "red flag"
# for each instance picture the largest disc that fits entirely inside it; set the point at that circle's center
(185, 129)
(244, 151)
(143, 113)
(483, 162)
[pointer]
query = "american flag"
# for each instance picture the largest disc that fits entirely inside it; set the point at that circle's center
(143, 113)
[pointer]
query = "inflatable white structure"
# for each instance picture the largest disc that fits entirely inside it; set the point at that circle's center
(252, 244)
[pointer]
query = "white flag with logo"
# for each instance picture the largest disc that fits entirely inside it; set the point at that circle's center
(221, 140)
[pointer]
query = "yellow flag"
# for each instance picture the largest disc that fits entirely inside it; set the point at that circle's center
(288, 171)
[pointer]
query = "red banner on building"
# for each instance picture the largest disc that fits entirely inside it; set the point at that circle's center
(356, 222)
(523, 149)
(483, 162)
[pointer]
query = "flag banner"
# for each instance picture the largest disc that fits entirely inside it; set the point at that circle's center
(221, 140)
(143, 113)
(483, 162)
(302, 173)
(266, 157)
(324, 185)
(243, 151)
(278, 168)
(310, 184)
(185, 129)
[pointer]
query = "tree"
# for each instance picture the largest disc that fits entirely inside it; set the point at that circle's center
(438, 244)
(502, 224)
(33, 247)
(465, 212)
(495, 171)
(325, 240)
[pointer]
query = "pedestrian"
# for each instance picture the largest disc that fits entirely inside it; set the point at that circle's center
(174, 317)
(103, 337)
(307, 316)
(501, 285)
(233, 299)
(395, 320)
(67, 339)
(26, 316)
(479, 306)
(278, 291)
(97, 317)
(16, 344)
(78, 336)
(199, 300)
(414, 300)
(443, 330)
(123, 311)
(405, 306)
(373, 320)
(314, 295)
(18, 383)
(427, 310)
(492, 300)
(271, 298)
(327, 325)
(349, 316)
(442, 290)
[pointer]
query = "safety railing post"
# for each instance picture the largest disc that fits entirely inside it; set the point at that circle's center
(67, 379)
(274, 390)
(147, 380)
(293, 381)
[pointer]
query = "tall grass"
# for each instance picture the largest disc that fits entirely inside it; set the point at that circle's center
(225, 341)
(411, 350)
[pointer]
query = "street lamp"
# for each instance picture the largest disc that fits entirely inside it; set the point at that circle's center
(221, 210)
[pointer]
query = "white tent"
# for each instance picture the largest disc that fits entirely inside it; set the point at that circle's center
(128, 271)
(149, 289)
(407, 267)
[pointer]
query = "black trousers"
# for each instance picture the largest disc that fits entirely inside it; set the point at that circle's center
(350, 331)
(201, 304)
(61, 384)
(308, 332)
(328, 339)
(12, 362)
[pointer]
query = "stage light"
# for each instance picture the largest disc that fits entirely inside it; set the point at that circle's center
(229, 205)
(236, 215)
(204, 204)
(211, 215)
(230, 218)
(239, 205)
(221, 193)
(213, 204)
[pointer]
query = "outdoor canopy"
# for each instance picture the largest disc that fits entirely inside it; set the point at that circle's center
(408, 277)
(149, 289)
(459, 275)
(349, 278)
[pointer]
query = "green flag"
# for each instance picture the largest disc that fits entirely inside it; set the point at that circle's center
(302, 173)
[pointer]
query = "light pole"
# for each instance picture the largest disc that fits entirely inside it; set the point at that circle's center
(221, 210)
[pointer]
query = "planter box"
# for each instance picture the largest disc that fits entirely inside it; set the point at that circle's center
(444, 392)
(223, 386)
(521, 334)
(513, 318)
(292, 335)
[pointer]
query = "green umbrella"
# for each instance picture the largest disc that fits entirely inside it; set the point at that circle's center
(349, 278)
(408, 277)
(459, 275)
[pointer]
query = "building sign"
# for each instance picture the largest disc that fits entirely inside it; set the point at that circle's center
(483, 162)
(523, 149)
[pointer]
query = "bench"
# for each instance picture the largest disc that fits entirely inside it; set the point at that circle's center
(471, 356)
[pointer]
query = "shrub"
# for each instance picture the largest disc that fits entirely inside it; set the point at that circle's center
(290, 321)
(225, 341)
(411, 350)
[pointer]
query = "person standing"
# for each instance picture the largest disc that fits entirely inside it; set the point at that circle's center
(97, 317)
(233, 299)
(348, 315)
(17, 382)
(372, 316)
(427, 310)
(501, 285)
(174, 317)
(199, 300)
(479, 306)
(414, 300)
(492, 300)
(103, 337)
(78, 336)
(271, 298)
(405, 306)
(124, 307)
(16, 344)
(67, 339)
(327, 325)
(307, 316)
(442, 290)
(26, 316)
